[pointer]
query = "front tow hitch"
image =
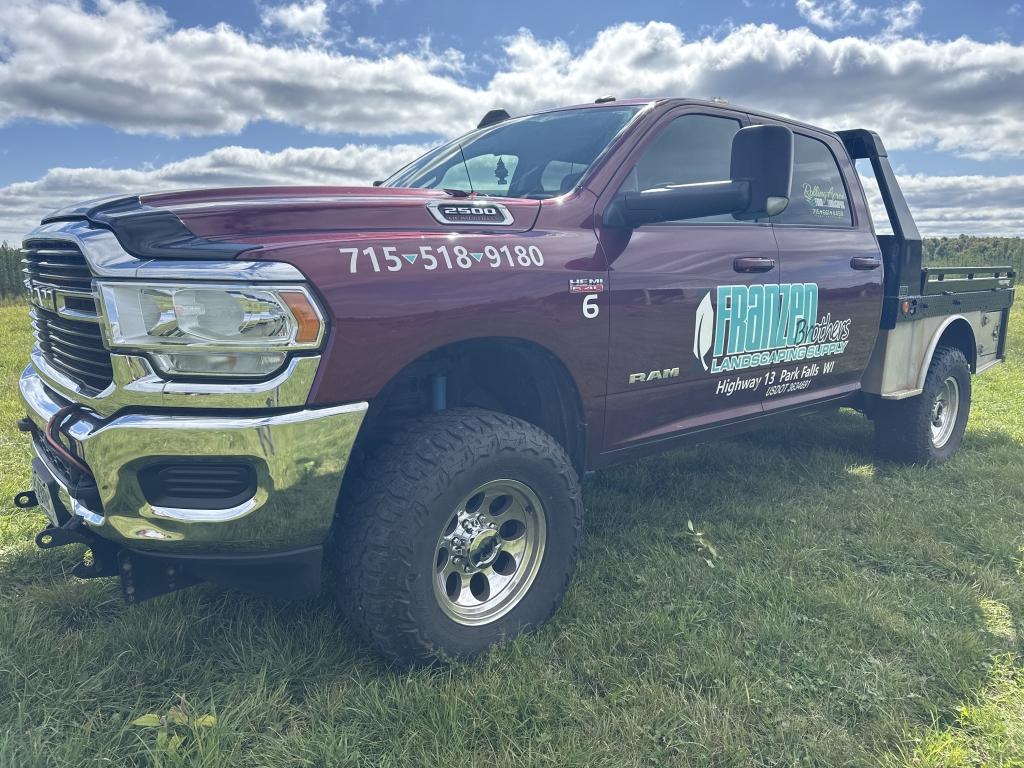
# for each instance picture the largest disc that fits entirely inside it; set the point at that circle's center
(101, 559)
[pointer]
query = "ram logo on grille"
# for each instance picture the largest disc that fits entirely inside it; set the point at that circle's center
(43, 296)
(476, 212)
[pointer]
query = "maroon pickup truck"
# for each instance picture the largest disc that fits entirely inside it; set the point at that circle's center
(407, 381)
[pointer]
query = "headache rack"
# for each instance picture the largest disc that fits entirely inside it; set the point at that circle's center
(912, 291)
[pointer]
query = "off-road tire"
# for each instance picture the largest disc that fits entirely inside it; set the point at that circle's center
(903, 428)
(397, 499)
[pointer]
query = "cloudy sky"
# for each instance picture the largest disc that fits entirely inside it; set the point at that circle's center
(107, 96)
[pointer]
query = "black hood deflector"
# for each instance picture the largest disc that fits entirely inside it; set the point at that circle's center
(148, 233)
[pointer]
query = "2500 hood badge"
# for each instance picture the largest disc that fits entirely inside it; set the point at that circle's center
(487, 214)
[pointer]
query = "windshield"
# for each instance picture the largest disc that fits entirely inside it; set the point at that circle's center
(535, 157)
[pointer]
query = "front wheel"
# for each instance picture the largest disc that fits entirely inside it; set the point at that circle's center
(458, 531)
(928, 428)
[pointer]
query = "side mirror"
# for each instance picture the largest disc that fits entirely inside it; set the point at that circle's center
(762, 156)
(761, 173)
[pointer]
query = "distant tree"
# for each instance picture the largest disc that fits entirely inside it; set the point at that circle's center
(974, 251)
(10, 272)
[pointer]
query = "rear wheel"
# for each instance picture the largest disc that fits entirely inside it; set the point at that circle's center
(929, 428)
(460, 530)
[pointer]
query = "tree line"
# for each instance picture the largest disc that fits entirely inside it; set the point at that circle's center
(960, 251)
(970, 251)
(11, 285)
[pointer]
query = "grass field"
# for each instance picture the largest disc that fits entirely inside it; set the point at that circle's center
(857, 614)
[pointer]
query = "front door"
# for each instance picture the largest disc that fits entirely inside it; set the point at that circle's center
(685, 296)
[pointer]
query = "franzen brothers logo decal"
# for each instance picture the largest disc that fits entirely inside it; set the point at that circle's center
(750, 326)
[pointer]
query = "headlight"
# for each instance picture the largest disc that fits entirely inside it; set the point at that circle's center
(211, 330)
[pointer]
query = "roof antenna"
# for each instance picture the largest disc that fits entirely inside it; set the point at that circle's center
(604, 99)
(493, 117)
(469, 176)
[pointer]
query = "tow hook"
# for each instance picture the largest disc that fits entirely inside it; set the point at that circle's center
(26, 500)
(103, 560)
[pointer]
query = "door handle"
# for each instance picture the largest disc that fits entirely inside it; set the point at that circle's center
(865, 262)
(753, 264)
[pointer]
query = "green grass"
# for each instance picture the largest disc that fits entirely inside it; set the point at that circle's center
(857, 614)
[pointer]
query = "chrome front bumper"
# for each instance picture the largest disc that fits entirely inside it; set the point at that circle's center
(300, 459)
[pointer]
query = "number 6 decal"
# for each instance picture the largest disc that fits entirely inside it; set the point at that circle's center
(591, 308)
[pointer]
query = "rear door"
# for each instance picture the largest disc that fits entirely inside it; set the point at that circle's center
(676, 358)
(831, 269)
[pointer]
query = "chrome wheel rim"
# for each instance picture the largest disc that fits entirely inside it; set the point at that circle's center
(944, 412)
(489, 552)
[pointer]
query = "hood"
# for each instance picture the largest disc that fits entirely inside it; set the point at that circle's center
(220, 223)
(269, 211)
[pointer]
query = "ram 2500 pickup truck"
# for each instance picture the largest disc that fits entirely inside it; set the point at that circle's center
(408, 380)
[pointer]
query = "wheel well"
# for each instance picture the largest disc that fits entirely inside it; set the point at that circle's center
(512, 376)
(960, 335)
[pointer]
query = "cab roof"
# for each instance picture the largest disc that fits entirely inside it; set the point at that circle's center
(668, 102)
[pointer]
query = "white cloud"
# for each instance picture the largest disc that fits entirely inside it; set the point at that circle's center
(834, 14)
(23, 204)
(127, 66)
(950, 205)
(903, 17)
(955, 96)
(953, 205)
(305, 19)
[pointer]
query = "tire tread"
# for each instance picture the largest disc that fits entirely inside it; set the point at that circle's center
(902, 431)
(389, 492)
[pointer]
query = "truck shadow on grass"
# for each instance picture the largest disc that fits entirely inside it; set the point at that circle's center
(844, 610)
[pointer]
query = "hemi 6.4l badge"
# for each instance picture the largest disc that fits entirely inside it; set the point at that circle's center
(586, 285)
(477, 213)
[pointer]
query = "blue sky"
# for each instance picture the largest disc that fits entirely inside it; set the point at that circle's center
(194, 93)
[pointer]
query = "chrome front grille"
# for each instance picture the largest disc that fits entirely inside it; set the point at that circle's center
(57, 263)
(65, 318)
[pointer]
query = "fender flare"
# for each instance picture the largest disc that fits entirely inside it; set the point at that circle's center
(926, 362)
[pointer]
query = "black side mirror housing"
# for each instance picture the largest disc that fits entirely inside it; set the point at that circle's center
(762, 156)
(761, 174)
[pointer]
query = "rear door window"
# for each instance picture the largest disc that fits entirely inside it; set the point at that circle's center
(818, 197)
